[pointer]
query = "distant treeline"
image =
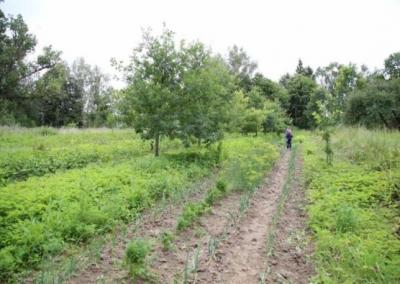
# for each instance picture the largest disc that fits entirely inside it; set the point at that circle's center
(185, 90)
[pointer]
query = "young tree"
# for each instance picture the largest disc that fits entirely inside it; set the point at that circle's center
(392, 65)
(237, 111)
(177, 92)
(96, 92)
(275, 118)
(376, 105)
(326, 76)
(270, 90)
(347, 81)
(319, 110)
(300, 89)
(256, 100)
(60, 98)
(241, 66)
(15, 72)
(253, 121)
(205, 100)
(305, 71)
(155, 78)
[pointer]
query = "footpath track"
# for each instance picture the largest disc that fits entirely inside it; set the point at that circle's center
(241, 257)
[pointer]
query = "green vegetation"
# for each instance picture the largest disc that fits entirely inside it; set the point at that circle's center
(247, 161)
(48, 215)
(59, 188)
(135, 258)
(191, 213)
(44, 215)
(35, 153)
(167, 239)
(354, 206)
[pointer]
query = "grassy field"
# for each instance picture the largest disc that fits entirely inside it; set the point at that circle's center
(354, 208)
(61, 188)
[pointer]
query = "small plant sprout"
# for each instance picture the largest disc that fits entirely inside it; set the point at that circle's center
(167, 239)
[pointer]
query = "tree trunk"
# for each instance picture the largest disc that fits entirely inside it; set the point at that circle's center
(157, 145)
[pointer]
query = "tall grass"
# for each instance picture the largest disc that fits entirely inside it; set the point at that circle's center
(354, 208)
(377, 149)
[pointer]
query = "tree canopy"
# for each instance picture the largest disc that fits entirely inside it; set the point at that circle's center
(184, 90)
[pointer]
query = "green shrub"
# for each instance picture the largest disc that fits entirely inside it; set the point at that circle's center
(137, 251)
(190, 214)
(7, 263)
(135, 258)
(222, 186)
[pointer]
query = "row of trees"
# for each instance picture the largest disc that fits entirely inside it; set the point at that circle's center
(347, 94)
(46, 91)
(183, 90)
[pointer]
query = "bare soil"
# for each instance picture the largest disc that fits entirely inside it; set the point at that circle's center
(169, 266)
(241, 257)
(290, 261)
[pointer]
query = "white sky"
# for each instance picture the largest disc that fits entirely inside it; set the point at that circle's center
(274, 33)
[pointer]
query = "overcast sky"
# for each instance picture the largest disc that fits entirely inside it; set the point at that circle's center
(274, 33)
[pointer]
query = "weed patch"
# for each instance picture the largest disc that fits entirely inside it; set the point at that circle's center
(353, 209)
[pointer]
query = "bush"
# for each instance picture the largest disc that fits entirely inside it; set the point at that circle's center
(221, 186)
(135, 258)
(375, 106)
(275, 119)
(137, 252)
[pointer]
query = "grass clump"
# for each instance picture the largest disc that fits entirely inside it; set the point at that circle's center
(216, 193)
(190, 214)
(135, 258)
(167, 239)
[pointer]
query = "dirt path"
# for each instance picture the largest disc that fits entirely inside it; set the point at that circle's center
(241, 257)
(290, 256)
(169, 266)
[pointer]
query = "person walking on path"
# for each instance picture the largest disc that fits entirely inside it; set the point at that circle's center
(288, 136)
